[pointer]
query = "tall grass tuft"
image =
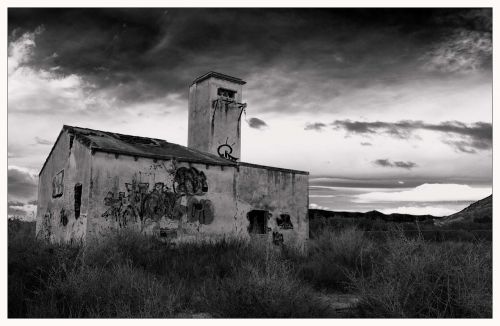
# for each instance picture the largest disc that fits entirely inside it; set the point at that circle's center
(417, 279)
(336, 255)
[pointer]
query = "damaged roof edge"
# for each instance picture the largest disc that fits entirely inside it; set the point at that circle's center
(160, 157)
(272, 168)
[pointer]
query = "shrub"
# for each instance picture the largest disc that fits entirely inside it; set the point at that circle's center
(265, 290)
(119, 291)
(335, 255)
(421, 279)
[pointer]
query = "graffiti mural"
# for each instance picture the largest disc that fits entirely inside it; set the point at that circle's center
(142, 204)
(284, 222)
(225, 151)
(190, 181)
(201, 211)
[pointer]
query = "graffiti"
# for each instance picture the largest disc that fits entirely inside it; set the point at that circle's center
(190, 181)
(140, 204)
(284, 222)
(277, 238)
(58, 184)
(118, 208)
(201, 211)
(159, 202)
(136, 193)
(225, 151)
(63, 219)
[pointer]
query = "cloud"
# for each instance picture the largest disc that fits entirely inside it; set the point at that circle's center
(463, 51)
(395, 164)
(256, 123)
(464, 138)
(316, 206)
(42, 141)
(318, 126)
(365, 144)
(21, 210)
(427, 193)
(22, 184)
(405, 165)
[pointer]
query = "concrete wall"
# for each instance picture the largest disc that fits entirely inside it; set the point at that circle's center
(173, 200)
(281, 193)
(214, 130)
(179, 201)
(56, 219)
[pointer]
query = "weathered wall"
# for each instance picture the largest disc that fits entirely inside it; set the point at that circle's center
(174, 200)
(56, 218)
(186, 202)
(282, 193)
(214, 129)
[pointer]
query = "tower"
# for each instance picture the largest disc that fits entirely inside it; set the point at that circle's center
(215, 110)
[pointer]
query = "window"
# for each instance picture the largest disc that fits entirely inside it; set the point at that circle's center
(284, 222)
(258, 221)
(226, 93)
(78, 199)
(58, 184)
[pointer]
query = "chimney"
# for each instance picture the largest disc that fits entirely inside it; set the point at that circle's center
(215, 111)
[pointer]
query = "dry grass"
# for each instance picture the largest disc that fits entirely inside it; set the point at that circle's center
(130, 275)
(421, 279)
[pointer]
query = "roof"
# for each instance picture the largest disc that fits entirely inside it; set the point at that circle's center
(219, 76)
(115, 143)
(111, 142)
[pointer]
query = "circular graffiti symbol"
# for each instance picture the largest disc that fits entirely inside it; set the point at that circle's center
(225, 151)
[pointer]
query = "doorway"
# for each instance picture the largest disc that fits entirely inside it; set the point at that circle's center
(258, 221)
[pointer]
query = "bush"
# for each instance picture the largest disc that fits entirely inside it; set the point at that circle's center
(421, 279)
(119, 291)
(266, 290)
(130, 275)
(335, 255)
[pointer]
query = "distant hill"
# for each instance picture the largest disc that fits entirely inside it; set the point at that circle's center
(478, 212)
(372, 215)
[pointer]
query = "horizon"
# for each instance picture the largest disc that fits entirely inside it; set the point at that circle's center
(388, 109)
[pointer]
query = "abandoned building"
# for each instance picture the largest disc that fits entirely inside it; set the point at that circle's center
(94, 182)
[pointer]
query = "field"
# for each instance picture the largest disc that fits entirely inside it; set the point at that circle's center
(393, 274)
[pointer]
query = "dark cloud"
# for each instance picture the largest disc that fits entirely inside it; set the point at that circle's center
(405, 165)
(318, 126)
(396, 164)
(472, 137)
(366, 144)
(42, 141)
(157, 51)
(21, 184)
(382, 162)
(257, 123)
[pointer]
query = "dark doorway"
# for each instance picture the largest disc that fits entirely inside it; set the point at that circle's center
(78, 199)
(258, 221)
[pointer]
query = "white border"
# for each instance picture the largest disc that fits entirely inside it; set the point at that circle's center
(227, 3)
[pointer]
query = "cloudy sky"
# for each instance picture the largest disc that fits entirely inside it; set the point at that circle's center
(389, 109)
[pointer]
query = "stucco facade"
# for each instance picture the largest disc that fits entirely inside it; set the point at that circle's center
(97, 182)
